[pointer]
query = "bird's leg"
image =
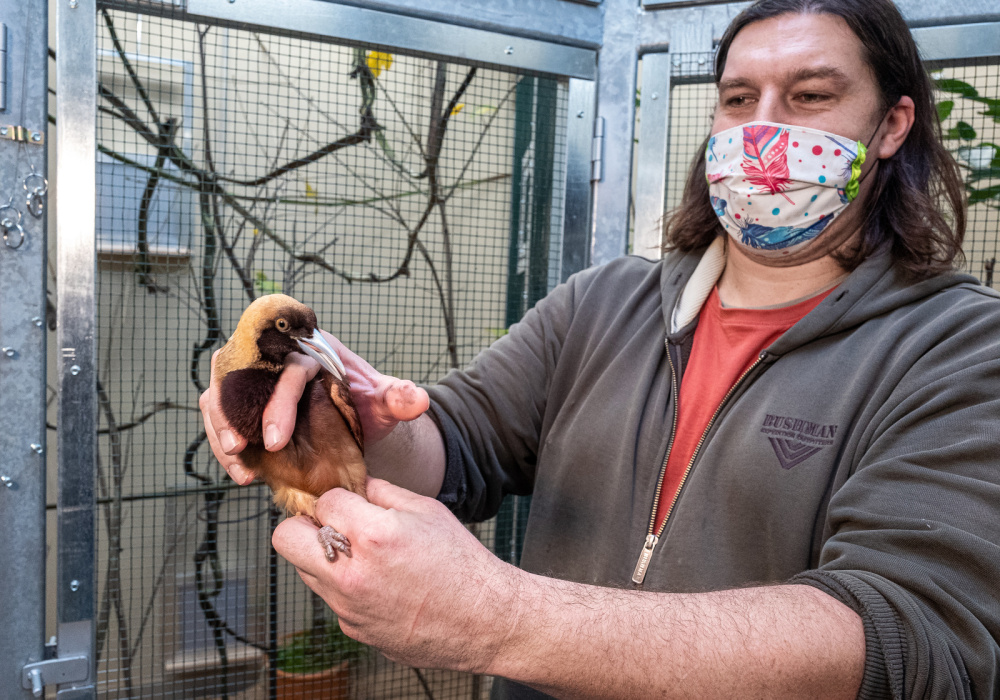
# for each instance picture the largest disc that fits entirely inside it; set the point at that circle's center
(333, 542)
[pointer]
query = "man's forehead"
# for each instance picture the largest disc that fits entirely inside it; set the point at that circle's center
(793, 47)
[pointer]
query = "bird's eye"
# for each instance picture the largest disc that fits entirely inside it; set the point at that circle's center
(281, 324)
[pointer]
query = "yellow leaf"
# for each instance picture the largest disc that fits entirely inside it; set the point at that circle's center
(457, 108)
(256, 232)
(379, 61)
(310, 192)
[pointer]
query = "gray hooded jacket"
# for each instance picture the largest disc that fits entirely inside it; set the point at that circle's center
(860, 455)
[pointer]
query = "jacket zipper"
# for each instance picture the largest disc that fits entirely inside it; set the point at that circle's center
(639, 574)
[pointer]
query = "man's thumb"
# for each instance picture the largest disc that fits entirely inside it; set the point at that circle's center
(405, 400)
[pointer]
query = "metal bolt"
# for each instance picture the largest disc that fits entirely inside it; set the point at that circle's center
(37, 448)
(6, 481)
(701, 60)
(655, 96)
(3, 131)
(74, 370)
(74, 585)
(509, 50)
(8, 351)
(37, 320)
(677, 60)
(579, 115)
(73, 4)
(36, 137)
(37, 687)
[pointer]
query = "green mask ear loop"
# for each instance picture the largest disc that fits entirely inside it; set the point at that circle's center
(855, 182)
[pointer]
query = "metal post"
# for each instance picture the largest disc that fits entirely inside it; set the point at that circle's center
(22, 337)
(616, 105)
(75, 118)
(651, 170)
(577, 205)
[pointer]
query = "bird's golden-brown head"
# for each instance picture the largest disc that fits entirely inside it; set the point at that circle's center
(268, 330)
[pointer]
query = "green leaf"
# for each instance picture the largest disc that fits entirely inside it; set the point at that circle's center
(992, 109)
(987, 193)
(303, 652)
(984, 174)
(958, 87)
(944, 109)
(384, 145)
(264, 285)
(962, 130)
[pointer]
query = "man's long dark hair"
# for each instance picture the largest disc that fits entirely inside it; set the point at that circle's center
(917, 205)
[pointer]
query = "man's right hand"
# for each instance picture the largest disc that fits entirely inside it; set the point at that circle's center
(382, 403)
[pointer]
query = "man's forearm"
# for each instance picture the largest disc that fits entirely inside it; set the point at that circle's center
(411, 456)
(573, 640)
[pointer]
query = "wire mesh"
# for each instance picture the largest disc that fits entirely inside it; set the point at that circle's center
(414, 204)
(968, 100)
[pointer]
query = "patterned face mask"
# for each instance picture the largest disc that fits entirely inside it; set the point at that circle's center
(775, 187)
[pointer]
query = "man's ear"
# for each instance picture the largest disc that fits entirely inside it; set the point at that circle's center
(895, 126)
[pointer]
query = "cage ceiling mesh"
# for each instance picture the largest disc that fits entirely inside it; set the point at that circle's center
(413, 203)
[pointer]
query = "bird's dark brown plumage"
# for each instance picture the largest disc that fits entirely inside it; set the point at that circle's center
(326, 448)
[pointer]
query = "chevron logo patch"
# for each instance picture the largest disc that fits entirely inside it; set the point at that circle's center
(794, 440)
(791, 453)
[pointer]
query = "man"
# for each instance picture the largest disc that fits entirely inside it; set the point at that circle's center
(763, 467)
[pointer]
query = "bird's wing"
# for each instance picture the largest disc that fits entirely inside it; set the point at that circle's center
(340, 393)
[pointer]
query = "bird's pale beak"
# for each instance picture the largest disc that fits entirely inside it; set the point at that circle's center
(317, 348)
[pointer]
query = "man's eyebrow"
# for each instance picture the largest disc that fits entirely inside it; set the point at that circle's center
(800, 75)
(826, 72)
(734, 83)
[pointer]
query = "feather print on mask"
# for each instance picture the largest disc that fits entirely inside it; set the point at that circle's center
(765, 158)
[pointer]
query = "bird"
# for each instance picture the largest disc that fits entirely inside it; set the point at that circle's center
(326, 449)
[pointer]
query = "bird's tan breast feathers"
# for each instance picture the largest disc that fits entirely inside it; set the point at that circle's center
(323, 453)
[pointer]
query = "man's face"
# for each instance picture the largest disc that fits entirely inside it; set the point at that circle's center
(805, 70)
(800, 69)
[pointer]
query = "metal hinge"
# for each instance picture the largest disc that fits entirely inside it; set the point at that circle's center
(22, 134)
(597, 151)
(36, 676)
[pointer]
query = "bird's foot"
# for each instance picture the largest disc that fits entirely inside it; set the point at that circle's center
(333, 542)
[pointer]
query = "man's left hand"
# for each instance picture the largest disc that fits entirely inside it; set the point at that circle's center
(419, 586)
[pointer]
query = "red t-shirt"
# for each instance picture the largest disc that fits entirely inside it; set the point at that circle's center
(726, 343)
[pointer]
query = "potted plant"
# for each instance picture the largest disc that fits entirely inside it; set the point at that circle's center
(316, 662)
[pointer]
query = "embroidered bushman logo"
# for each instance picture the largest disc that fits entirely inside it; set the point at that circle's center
(795, 440)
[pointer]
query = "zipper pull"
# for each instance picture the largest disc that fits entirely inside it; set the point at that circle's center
(647, 552)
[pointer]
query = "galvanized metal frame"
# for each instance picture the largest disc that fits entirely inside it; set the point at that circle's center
(958, 42)
(577, 230)
(23, 358)
(358, 25)
(76, 267)
(651, 170)
(76, 113)
(570, 22)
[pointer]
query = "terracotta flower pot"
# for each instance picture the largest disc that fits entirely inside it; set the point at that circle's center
(332, 684)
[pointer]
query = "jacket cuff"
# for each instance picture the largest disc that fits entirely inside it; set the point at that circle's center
(454, 488)
(885, 640)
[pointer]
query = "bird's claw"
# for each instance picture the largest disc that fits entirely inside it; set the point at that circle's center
(333, 542)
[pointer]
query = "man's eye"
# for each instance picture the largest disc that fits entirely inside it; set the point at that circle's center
(737, 101)
(812, 97)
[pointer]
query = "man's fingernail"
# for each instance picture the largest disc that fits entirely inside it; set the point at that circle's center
(228, 441)
(272, 436)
